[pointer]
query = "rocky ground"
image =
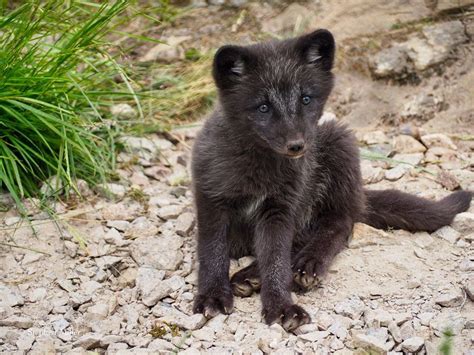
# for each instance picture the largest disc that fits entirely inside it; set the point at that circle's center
(116, 272)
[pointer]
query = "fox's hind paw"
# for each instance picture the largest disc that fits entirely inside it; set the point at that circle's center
(306, 272)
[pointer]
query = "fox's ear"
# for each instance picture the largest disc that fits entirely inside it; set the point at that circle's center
(317, 48)
(230, 64)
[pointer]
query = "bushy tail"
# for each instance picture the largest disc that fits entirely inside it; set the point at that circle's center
(399, 210)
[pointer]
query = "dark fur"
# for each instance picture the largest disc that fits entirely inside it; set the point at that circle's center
(252, 198)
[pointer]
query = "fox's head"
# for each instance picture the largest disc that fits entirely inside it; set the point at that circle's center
(277, 90)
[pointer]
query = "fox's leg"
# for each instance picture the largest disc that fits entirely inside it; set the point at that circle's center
(317, 246)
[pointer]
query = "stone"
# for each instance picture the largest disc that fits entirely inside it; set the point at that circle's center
(406, 330)
(447, 233)
(371, 174)
(127, 277)
(396, 173)
(447, 180)
(193, 322)
(98, 311)
(17, 322)
(314, 336)
(161, 345)
(450, 299)
(467, 264)
(421, 105)
(407, 144)
(141, 227)
(88, 341)
(119, 225)
(184, 224)
(438, 140)
(338, 330)
(389, 62)
(451, 320)
(408, 160)
(374, 137)
(123, 112)
(425, 318)
(25, 341)
(70, 248)
(112, 190)
(469, 288)
(10, 296)
(395, 332)
(293, 14)
(365, 235)
(114, 237)
(412, 345)
(161, 252)
(170, 212)
(166, 52)
(422, 54)
(351, 307)
(463, 222)
(149, 285)
(378, 317)
(369, 343)
(445, 35)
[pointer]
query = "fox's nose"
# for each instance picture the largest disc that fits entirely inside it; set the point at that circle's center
(296, 146)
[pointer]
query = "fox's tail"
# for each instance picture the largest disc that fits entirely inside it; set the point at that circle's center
(399, 210)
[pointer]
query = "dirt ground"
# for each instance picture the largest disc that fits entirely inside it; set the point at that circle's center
(117, 274)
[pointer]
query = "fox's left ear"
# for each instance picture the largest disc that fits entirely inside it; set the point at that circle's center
(317, 48)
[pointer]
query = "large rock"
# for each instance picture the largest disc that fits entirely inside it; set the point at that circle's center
(161, 252)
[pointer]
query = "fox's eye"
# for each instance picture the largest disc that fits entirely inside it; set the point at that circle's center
(263, 108)
(306, 99)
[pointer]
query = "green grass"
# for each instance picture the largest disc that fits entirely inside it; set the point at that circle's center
(56, 79)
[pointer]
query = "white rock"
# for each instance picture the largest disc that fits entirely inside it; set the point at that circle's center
(369, 343)
(112, 190)
(184, 223)
(88, 341)
(193, 322)
(469, 288)
(464, 222)
(407, 144)
(10, 296)
(447, 233)
(98, 311)
(371, 174)
(365, 235)
(150, 286)
(351, 307)
(396, 173)
(121, 226)
(314, 336)
(25, 341)
(438, 140)
(451, 320)
(390, 61)
(161, 345)
(160, 252)
(123, 111)
(17, 322)
(170, 212)
(378, 317)
(450, 299)
(412, 345)
(169, 51)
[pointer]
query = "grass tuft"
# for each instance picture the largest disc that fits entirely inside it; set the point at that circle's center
(56, 76)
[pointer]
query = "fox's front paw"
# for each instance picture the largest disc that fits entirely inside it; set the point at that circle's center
(290, 317)
(210, 306)
(307, 271)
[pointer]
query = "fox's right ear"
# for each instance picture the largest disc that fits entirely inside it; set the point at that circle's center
(317, 48)
(230, 64)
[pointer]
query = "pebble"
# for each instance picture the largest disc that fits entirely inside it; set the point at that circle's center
(412, 345)
(396, 173)
(17, 322)
(145, 252)
(314, 336)
(112, 190)
(25, 341)
(10, 296)
(450, 299)
(407, 144)
(464, 222)
(447, 233)
(121, 226)
(469, 288)
(352, 308)
(123, 111)
(467, 264)
(170, 212)
(184, 223)
(88, 341)
(369, 343)
(438, 140)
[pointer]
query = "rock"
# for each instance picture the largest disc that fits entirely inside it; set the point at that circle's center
(369, 343)
(407, 144)
(469, 288)
(10, 296)
(161, 345)
(378, 317)
(395, 332)
(149, 285)
(184, 223)
(447, 180)
(408, 160)
(10, 221)
(17, 322)
(88, 341)
(170, 212)
(422, 105)
(167, 52)
(467, 264)
(121, 226)
(314, 336)
(451, 320)
(141, 227)
(98, 311)
(412, 345)
(70, 248)
(25, 341)
(338, 330)
(370, 174)
(446, 35)
(374, 137)
(114, 237)
(112, 190)
(425, 318)
(365, 235)
(77, 298)
(447, 233)
(396, 173)
(90, 287)
(123, 112)
(463, 222)
(422, 54)
(351, 307)
(389, 62)
(438, 140)
(127, 277)
(193, 322)
(160, 252)
(162, 144)
(38, 294)
(293, 14)
(205, 334)
(450, 299)
(406, 330)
